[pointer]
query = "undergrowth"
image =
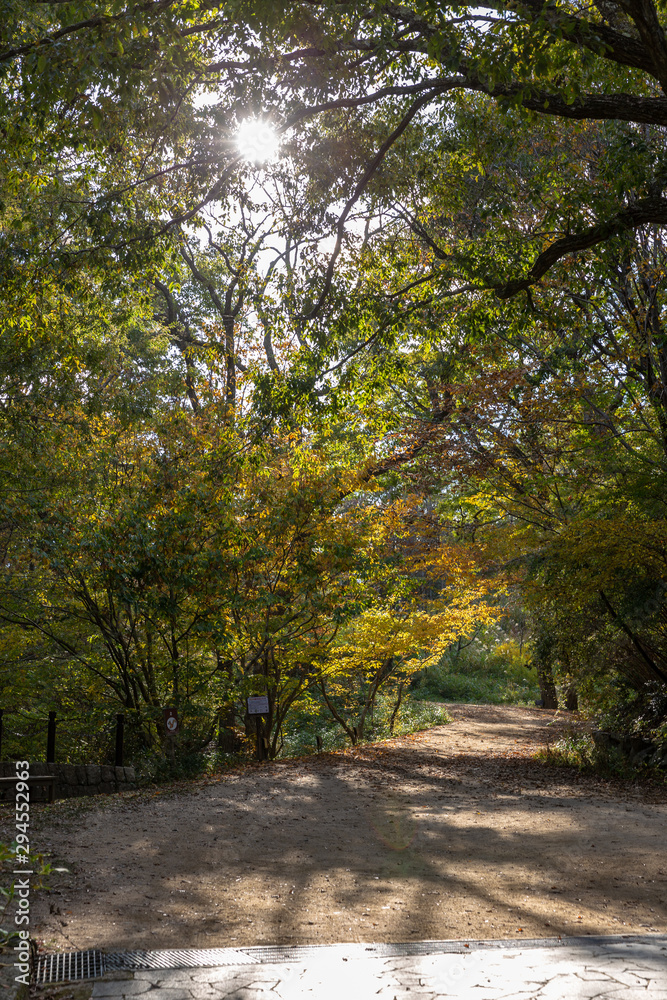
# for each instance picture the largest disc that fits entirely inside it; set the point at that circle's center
(414, 715)
(479, 672)
(40, 870)
(299, 738)
(577, 750)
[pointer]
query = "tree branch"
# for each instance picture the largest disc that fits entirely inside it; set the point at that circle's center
(358, 191)
(643, 211)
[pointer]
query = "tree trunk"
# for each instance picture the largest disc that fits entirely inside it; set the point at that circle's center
(351, 731)
(571, 699)
(545, 679)
(392, 721)
(228, 740)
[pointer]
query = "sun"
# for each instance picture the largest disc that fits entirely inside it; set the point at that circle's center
(256, 140)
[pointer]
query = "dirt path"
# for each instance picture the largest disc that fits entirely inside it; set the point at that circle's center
(453, 833)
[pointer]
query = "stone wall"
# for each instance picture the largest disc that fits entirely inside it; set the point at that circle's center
(77, 779)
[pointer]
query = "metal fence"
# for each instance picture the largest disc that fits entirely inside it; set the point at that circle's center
(93, 738)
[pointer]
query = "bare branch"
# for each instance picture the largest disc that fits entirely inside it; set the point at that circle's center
(358, 191)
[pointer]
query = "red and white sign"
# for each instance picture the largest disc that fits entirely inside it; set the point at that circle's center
(171, 721)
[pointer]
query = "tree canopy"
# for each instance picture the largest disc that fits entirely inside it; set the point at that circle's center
(303, 424)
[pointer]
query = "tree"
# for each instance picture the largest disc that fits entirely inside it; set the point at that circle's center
(601, 64)
(156, 167)
(437, 596)
(452, 283)
(550, 449)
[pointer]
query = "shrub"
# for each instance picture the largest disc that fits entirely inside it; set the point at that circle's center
(580, 751)
(480, 672)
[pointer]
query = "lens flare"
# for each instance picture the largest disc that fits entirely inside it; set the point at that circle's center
(256, 140)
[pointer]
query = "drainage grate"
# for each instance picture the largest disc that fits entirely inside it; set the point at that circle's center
(70, 965)
(183, 958)
(93, 964)
(402, 949)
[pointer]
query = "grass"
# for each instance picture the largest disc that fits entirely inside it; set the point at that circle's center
(415, 714)
(577, 750)
(37, 866)
(299, 738)
(496, 677)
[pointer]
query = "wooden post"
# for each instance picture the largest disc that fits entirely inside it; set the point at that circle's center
(120, 732)
(260, 738)
(318, 741)
(1, 714)
(51, 739)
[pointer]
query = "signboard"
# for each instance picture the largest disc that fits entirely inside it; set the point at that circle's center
(171, 721)
(258, 705)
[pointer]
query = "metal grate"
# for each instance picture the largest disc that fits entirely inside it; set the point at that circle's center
(294, 953)
(93, 964)
(70, 965)
(182, 958)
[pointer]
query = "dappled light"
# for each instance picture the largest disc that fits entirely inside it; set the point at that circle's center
(439, 836)
(333, 477)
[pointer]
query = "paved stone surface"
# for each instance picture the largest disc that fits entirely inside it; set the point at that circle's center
(611, 969)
